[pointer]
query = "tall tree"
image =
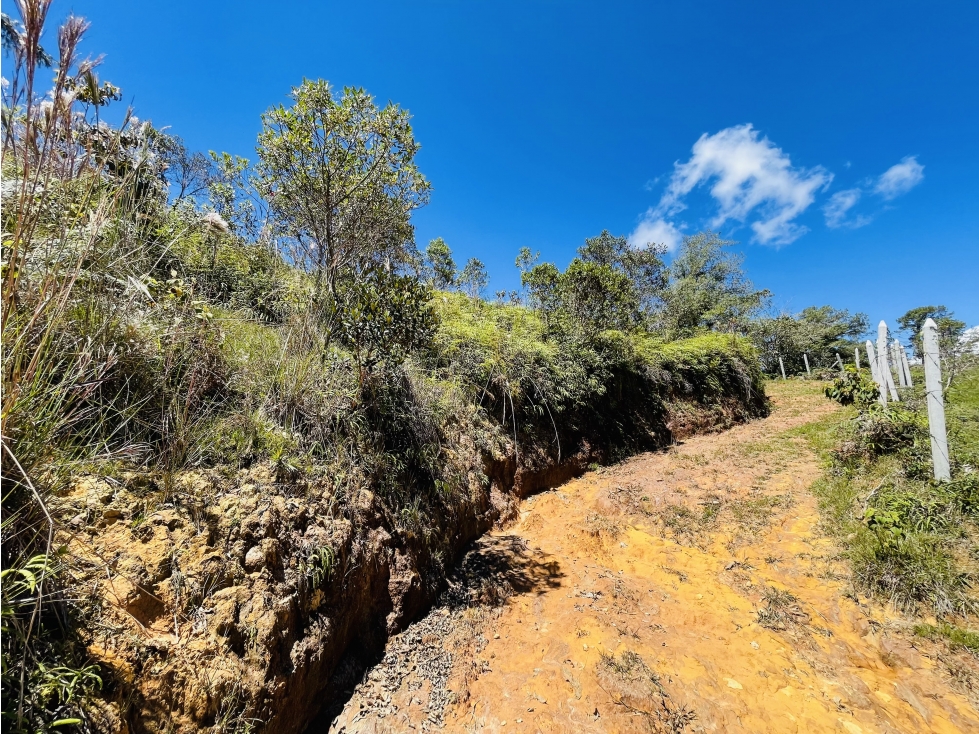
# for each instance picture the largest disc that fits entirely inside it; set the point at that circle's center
(643, 266)
(439, 265)
(708, 288)
(474, 279)
(950, 329)
(339, 174)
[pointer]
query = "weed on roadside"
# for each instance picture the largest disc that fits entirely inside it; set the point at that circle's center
(631, 684)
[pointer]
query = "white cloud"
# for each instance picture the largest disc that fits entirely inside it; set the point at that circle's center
(896, 180)
(655, 230)
(900, 178)
(837, 208)
(752, 179)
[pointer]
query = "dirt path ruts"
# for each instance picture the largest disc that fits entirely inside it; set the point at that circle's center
(688, 590)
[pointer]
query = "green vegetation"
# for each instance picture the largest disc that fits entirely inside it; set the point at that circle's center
(819, 333)
(950, 329)
(853, 387)
(910, 540)
(165, 310)
(955, 636)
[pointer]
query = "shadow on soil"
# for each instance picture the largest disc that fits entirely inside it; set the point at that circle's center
(494, 569)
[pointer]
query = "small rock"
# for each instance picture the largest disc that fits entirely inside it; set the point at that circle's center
(755, 645)
(254, 559)
(731, 683)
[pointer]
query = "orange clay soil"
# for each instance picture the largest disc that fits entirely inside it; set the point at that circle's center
(687, 590)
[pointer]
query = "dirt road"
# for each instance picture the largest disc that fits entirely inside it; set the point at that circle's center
(687, 590)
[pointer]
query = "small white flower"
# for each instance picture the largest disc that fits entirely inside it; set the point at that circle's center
(216, 222)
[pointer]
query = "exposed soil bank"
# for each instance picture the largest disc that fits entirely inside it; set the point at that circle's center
(686, 590)
(231, 600)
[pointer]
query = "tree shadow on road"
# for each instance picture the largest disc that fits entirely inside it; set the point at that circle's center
(498, 567)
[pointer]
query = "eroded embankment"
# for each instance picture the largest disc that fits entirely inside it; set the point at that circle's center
(686, 590)
(246, 600)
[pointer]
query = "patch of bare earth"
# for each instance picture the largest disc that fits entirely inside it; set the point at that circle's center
(686, 590)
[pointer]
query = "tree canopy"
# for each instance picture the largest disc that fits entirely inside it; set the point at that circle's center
(708, 288)
(340, 178)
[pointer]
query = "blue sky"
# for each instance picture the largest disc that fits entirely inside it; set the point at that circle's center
(836, 142)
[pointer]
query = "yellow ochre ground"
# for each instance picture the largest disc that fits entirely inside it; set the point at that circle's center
(685, 590)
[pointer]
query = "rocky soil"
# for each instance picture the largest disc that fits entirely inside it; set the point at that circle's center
(225, 600)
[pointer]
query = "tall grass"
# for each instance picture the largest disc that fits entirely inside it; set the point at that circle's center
(71, 265)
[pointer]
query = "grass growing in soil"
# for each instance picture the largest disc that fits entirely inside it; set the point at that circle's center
(955, 636)
(910, 541)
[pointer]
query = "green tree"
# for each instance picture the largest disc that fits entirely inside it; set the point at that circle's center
(708, 289)
(599, 297)
(819, 332)
(643, 267)
(188, 173)
(541, 281)
(587, 297)
(381, 316)
(526, 260)
(340, 177)
(231, 193)
(950, 329)
(474, 279)
(440, 268)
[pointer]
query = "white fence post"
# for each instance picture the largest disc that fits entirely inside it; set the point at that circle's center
(856, 357)
(782, 365)
(805, 358)
(898, 364)
(875, 372)
(936, 406)
(885, 371)
(905, 365)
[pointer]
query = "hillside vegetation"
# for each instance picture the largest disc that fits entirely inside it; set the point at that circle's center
(248, 426)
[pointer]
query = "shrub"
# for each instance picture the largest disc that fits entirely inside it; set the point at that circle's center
(853, 387)
(877, 432)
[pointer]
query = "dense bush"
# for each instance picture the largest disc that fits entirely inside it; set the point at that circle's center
(853, 387)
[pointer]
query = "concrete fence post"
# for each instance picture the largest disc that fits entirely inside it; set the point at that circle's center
(856, 357)
(781, 364)
(905, 365)
(936, 404)
(898, 364)
(882, 366)
(805, 358)
(875, 373)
